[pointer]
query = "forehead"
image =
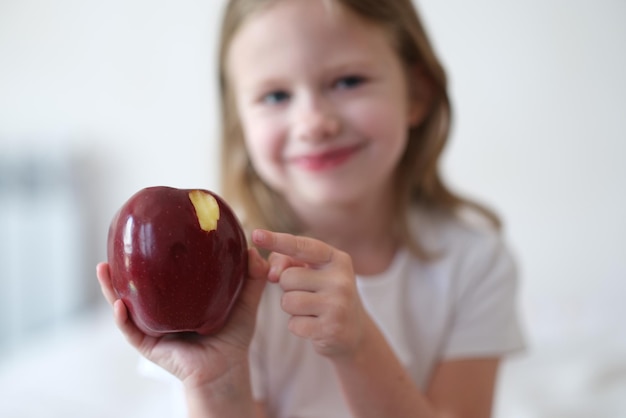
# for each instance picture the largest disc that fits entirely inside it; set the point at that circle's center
(308, 32)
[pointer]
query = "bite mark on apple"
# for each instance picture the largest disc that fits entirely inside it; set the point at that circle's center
(207, 209)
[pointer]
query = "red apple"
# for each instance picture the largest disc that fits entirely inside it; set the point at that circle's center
(178, 259)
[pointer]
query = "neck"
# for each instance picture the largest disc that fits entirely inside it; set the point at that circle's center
(364, 230)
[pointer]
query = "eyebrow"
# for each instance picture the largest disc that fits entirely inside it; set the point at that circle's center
(260, 84)
(349, 66)
(346, 65)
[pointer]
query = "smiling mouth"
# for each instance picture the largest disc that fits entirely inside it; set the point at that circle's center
(326, 160)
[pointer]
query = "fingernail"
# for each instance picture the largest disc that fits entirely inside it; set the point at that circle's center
(258, 235)
(273, 273)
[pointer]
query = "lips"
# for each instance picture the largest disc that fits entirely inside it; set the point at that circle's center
(327, 159)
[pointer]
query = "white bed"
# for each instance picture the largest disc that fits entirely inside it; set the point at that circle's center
(88, 370)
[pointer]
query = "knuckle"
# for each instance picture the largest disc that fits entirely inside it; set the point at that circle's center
(340, 315)
(277, 259)
(273, 257)
(291, 302)
(341, 256)
(287, 279)
(302, 245)
(292, 326)
(298, 327)
(344, 289)
(285, 301)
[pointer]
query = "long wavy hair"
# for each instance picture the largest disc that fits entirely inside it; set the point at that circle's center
(418, 180)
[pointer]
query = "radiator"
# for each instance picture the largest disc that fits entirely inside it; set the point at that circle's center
(42, 245)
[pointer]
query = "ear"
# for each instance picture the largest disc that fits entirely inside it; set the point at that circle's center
(421, 93)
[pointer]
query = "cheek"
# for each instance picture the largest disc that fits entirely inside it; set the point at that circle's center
(383, 122)
(264, 141)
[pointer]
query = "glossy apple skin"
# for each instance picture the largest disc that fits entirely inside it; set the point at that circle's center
(172, 275)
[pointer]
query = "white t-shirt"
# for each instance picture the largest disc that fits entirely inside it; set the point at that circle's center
(462, 304)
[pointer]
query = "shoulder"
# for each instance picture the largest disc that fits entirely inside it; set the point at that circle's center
(468, 245)
(475, 261)
(441, 232)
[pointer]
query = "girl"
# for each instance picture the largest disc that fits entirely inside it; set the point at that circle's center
(380, 297)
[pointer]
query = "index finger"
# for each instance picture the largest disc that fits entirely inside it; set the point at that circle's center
(307, 250)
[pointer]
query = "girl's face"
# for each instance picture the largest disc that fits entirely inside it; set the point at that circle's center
(323, 101)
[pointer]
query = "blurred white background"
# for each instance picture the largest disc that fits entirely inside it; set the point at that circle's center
(99, 99)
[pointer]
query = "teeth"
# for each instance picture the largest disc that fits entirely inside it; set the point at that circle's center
(207, 209)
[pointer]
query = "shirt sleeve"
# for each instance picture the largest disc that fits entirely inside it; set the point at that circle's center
(255, 356)
(256, 374)
(485, 321)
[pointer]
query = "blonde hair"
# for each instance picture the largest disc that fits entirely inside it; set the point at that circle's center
(418, 178)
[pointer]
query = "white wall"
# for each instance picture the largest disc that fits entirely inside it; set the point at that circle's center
(128, 85)
(540, 128)
(541, 133)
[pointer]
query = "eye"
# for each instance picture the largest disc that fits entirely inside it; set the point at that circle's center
(349, 82)
(275, 97)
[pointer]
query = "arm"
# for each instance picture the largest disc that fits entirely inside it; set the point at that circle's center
(321, 297)
(376, 384)
(464, 388)
(228, 398)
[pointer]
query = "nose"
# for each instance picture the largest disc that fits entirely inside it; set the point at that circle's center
(316, 120)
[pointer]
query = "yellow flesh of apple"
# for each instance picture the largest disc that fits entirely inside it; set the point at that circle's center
(207, 209)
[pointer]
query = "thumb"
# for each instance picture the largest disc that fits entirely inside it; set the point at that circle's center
(255, 282)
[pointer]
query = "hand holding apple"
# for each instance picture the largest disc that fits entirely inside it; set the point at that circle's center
(198, 361)
(177, 259)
